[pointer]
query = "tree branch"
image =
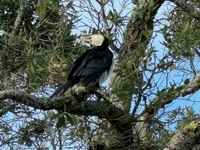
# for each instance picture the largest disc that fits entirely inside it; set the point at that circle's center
(160, 101)
(135, 39)
(140, 21)
(168, 97)
(186, 139)
(6, 107)
(18, 19)
(102, 109)
(138, 33)
(192, 9)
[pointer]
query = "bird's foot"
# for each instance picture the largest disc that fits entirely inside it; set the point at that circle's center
(82, 93)
(78, 91)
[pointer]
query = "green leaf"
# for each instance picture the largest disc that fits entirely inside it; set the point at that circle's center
(40, 8)
(165, 29)
(69, 118)
(187, 81)
(31, 66)
(61, 122)
(54, 117)
(185, 29)
(147, 33)
(171, 90)
(151, 5)
(84, 31)
(110, 15)
(69, 5)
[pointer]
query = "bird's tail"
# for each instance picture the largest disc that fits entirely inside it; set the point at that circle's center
(59, 91)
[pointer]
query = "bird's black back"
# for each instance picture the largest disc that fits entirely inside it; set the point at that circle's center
(91, 65)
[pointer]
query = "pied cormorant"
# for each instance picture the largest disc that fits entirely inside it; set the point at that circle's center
(92, 68)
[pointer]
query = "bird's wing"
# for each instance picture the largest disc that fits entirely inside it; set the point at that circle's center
(93, 64)
(77, 63)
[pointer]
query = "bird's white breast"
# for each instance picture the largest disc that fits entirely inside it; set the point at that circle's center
(107, 73)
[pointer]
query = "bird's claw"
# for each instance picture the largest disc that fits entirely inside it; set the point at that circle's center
(78, 91)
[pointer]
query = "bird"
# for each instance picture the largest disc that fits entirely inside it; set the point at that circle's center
(92, 68)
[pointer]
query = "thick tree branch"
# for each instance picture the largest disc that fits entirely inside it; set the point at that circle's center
(192, 9)
(170, 95)
(6, 107)
(140, 21)
(18, 19)
(29, 100)
(186, 139)
(138, 33)
(102, 109)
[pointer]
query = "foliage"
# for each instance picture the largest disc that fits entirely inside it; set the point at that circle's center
(182, 37)
(38, 45)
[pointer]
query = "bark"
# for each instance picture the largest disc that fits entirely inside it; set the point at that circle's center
(138, 33)
(141, 20)
(18, 19)
(187, 139)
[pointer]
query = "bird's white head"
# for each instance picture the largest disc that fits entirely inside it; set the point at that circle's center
(95, 39)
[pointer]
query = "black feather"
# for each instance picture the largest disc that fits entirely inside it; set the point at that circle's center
(59, 91)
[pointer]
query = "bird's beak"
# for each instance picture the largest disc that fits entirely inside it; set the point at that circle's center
(86, 39)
